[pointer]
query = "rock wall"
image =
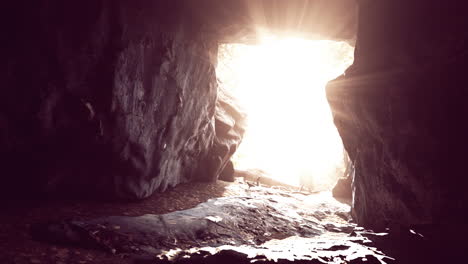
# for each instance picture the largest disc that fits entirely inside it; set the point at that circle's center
(104, 97)
(343, 187)
(118, 98)
(400, 109)
(230, 127)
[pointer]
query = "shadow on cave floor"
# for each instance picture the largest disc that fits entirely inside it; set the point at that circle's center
(207, 223)
(183, 196)
(16, 217)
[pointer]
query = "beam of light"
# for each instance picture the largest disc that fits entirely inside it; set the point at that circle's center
(280, 83)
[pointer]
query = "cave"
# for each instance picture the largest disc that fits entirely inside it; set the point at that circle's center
(118, 140)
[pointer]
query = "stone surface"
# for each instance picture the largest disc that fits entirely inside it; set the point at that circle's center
(118, 98)
(343, 187)
(228, 173)
(259, 224)
(288, 227)
(400, 109)
(260, 215)
(230, 127)
(118, 102)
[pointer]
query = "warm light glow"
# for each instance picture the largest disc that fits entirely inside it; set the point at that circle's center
(280, 84)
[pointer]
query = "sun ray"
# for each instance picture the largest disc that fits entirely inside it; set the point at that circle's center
(280, 83)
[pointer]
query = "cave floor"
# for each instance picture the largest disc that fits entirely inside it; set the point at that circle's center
(17, 245)
(217, 222)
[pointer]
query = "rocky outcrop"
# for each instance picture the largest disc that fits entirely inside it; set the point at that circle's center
(288, 227)
(230, 128)
(277, 215)
(119, 101)
(229, 173)
(400, 109)
(343, 187)
(118, 98)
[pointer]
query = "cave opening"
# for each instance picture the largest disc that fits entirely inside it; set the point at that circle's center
(279, 83)
(116, 138)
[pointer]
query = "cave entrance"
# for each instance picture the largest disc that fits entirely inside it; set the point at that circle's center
(280, 84)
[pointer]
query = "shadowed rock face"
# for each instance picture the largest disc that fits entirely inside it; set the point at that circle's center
(400, 110)
(118, 98)
(109, 97)
(230, 128)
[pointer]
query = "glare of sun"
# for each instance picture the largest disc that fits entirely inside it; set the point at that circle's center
(280, 84)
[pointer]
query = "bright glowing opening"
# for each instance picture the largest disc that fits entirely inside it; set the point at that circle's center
(280, 84)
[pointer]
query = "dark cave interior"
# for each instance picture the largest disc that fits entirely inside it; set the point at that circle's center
(114, 134)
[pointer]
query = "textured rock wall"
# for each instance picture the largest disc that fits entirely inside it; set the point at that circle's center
(230, 127)
(400, 109)
(108, 97)
(118, 98)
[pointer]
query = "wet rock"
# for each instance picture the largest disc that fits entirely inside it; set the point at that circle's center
(222, 221)
(368, 259)
(233, 255)
(290, 250)
(250, 228)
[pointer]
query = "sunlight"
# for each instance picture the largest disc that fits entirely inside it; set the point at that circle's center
(280, 84)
